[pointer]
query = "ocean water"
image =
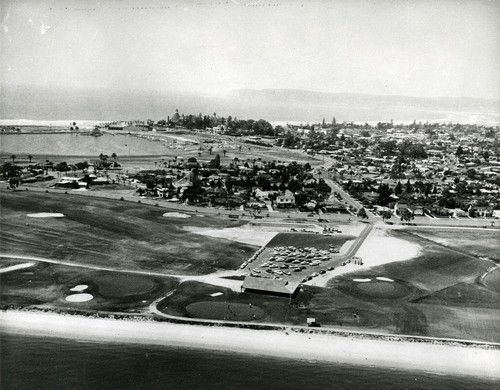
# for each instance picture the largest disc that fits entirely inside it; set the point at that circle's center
(52, 363)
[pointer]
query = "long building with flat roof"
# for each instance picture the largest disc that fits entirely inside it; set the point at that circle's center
(279, 287)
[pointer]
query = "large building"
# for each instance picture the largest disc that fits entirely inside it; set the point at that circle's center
(262, 285)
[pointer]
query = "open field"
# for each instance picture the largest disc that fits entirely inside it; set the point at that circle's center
(475, 241)
(439, 292)
(49, 285)
(427, 296)
(115, 234)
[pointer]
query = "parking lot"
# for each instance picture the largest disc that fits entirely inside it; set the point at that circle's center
(296, 264)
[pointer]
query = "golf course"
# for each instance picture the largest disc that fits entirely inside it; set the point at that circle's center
(89, 254)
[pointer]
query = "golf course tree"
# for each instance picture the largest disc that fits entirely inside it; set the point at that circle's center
(406, 216)
(362, 213)
(14, 182)
(386, 215)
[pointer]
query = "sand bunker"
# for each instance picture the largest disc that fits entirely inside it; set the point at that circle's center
(384, 279)
(216, 294)
(362, 280)
(45, 215)
(79, 287)
(176, 215)
(79, 297)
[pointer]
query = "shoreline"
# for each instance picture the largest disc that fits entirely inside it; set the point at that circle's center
(404, 355)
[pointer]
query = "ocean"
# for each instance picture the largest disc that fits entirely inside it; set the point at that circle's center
(54, 363)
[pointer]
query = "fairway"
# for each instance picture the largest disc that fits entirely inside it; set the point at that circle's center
(121, 285)
(114, 234)
(63, 287)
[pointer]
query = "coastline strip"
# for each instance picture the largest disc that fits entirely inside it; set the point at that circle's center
(444, 359)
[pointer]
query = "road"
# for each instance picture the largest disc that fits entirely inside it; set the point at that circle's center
(348, 198)
(359, 241)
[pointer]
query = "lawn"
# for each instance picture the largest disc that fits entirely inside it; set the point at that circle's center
(478, 242)
(436, 294)
(48, 286)
(114, 234)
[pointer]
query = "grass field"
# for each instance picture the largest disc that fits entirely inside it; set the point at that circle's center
(48, 285)
(477, 242)
(323, 304)
(225, 311)
(113, 234)
(441, 292)
(436, 294)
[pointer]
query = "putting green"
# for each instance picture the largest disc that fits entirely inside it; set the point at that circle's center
(225, 311)
(376, 288)
(492, 280)
(116, 286)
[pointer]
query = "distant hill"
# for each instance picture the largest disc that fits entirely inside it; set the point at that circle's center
(299, 95)
(362, 107)
(270, 104)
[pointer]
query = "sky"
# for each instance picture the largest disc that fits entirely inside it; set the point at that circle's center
(209, 48)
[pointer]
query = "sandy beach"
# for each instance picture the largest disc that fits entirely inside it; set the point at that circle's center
(435, 358)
